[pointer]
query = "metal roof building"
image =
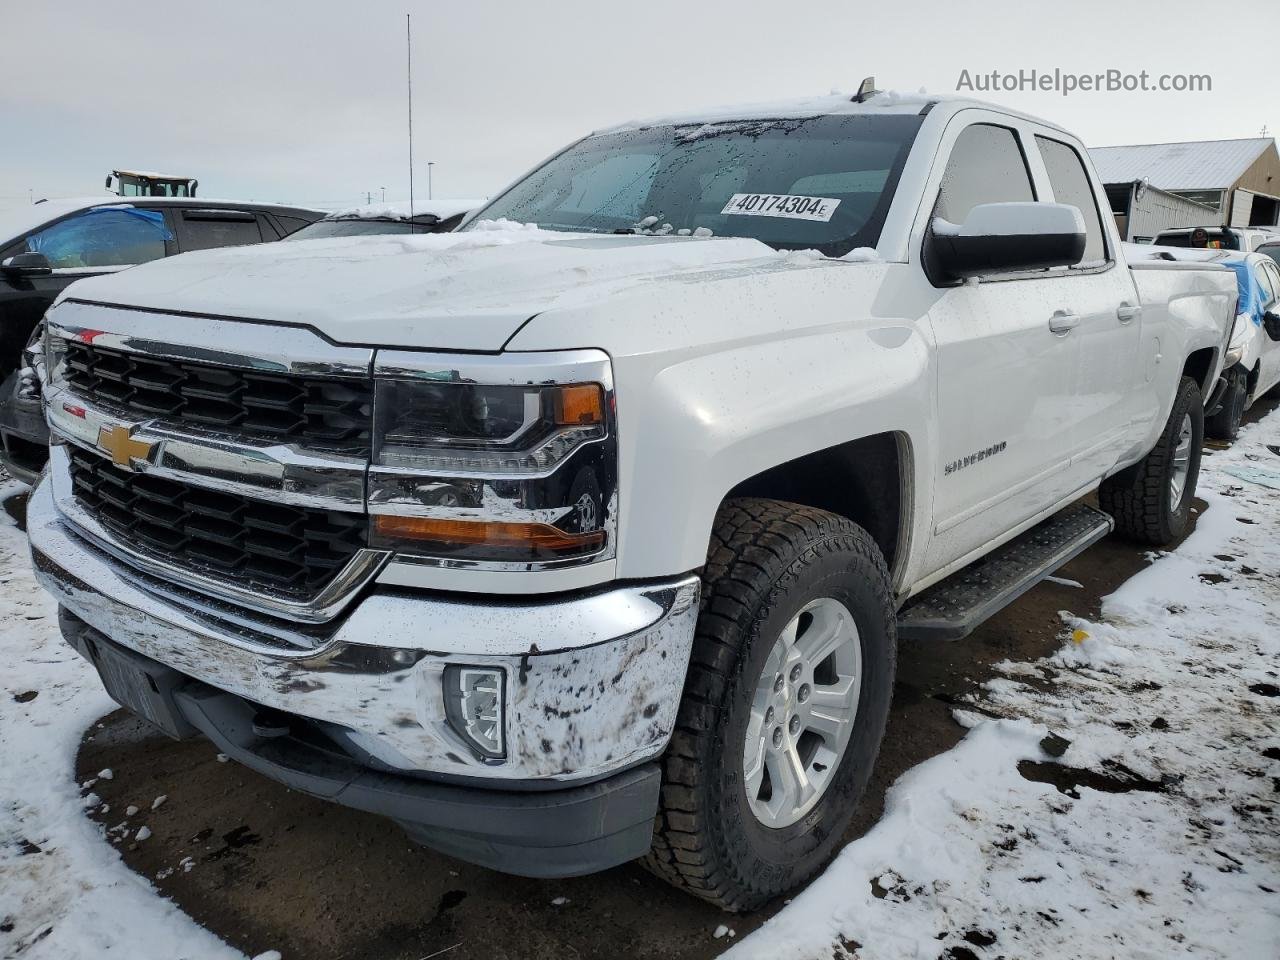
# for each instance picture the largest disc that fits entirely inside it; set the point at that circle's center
(1239, 178)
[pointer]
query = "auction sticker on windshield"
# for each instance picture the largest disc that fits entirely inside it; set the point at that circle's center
(780, 205)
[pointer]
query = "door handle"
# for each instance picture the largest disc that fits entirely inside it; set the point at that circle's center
(1127, 312)
(1062, 322)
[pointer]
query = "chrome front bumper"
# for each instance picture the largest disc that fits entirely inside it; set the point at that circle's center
(593, 680)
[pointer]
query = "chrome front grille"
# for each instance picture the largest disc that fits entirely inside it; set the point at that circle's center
(331, 414)
(290, 551)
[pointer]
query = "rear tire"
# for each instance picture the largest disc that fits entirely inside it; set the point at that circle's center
(770, 565)
(1225, 424)
(1151, 500)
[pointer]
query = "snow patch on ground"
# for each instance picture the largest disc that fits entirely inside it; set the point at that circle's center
(1125, 809)
(64, 892)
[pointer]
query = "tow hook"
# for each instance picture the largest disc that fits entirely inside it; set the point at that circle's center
(270, 724)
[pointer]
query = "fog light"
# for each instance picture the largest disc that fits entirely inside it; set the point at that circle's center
(474, 704)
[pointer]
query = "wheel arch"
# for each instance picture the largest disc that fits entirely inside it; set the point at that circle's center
(1199, 366)
(1251, 380)
(868, 481)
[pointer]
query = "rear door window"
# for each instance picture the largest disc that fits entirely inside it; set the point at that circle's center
(291, 224)
(986, 166)
(1266, 284)
(102, 237)
(206, 229)
(1070, 182)
(1274, 273)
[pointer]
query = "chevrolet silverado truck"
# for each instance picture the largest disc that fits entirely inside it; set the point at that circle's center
(587, 533)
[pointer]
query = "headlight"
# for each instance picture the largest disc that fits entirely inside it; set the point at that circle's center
(1241, 329)
(55, 354)
(470, 467)
(31, 366)
(488, 429)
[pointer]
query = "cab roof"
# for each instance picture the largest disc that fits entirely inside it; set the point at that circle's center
(836, 104)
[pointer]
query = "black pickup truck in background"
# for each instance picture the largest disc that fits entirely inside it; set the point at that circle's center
(51, 244)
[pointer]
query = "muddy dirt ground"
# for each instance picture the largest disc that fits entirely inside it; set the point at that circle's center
(273, 869)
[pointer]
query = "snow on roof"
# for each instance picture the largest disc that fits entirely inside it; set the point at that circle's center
(152, 175)
(444, 209)
(19, 220)
(1193, 165)
(1134, 252)
(780, 109)
(16, 221)
(884, 101)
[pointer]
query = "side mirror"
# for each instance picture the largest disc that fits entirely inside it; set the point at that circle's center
(1271, 323)
(1008, 238)
(26, 265)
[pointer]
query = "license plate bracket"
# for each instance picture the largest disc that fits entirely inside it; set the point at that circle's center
(143, 686)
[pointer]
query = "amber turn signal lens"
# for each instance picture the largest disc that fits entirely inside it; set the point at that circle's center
(582, 403)
(470, 533)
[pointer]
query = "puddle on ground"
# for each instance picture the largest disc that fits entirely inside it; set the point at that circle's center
(16, 507)
(1068, 780)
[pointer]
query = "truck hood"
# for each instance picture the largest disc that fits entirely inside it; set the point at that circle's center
(460, 291)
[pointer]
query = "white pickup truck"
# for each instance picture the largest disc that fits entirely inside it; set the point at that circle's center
(572, 544)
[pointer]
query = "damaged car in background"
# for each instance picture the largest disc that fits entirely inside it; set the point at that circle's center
(47, 246)
(570, 544)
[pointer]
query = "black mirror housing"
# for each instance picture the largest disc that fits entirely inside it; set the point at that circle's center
(26, 265)
(1271, 324)
(1009, 238)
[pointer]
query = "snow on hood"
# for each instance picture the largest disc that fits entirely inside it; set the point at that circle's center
(460, 291)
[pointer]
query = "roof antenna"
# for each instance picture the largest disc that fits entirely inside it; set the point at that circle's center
(866, 90)
(408, 37)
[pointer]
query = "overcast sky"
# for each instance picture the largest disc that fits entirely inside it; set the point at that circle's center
(305, 101)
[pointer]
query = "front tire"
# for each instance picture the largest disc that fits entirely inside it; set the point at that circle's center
(788, 692)
(1151, 500)
(1225, 424)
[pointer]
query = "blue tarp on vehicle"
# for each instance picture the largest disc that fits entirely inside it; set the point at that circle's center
(1252, 299)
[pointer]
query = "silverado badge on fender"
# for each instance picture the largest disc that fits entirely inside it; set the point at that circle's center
(973, 458)
(118, 443)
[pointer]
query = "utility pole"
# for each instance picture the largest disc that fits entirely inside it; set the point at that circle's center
(430, 164)
(368, 198)
(408, 39)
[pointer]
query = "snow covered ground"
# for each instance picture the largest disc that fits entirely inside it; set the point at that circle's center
(1118, 799)
(1172, 701)
(64, 892)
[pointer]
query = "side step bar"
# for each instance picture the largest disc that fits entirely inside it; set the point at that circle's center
(953, 608)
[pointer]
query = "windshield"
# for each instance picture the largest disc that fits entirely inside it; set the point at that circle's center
(823, 183)
(354, 228)
(1272, 250)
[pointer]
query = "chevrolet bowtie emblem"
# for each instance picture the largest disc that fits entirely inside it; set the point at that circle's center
(118, 443)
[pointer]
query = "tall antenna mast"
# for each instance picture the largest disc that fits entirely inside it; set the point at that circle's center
(408, 37)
